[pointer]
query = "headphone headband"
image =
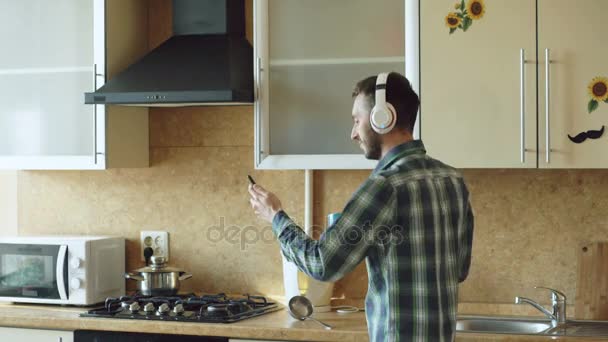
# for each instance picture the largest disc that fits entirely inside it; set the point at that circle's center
(381, 80)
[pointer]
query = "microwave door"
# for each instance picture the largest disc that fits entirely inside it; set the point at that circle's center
(33, 271)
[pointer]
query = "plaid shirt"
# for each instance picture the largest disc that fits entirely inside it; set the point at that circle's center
(412, 223)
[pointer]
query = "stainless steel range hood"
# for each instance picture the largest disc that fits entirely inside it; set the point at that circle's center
(207, 61)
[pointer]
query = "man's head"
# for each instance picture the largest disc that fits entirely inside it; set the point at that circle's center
(400, 94)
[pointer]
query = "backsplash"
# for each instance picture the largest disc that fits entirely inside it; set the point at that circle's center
(528, 222)
(8, 203)
(528, 227)
(200, 158)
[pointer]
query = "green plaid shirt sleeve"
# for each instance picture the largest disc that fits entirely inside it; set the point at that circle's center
(345, 244)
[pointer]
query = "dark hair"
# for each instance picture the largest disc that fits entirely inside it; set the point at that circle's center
(399, 93)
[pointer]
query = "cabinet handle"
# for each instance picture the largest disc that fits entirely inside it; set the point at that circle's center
(258, 109)
(522, 104)
(547, 103)
(95, 116)
(258, 66)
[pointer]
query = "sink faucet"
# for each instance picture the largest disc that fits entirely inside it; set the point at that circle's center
(558, 302)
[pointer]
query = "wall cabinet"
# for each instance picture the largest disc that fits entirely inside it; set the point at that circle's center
(35, 335)
(507, 91)
(308, 57)
(54, 51)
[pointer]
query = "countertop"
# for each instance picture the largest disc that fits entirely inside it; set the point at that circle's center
(272, 326)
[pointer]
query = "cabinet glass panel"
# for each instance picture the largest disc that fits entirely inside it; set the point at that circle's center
(46, 66)
(44, 114)
(318, 50)
(311, 106)
(42, 33)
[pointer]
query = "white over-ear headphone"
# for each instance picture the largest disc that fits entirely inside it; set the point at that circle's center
(383, 116)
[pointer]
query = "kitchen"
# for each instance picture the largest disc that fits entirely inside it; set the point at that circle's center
(530, 223)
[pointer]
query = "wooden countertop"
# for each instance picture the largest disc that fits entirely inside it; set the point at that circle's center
(273, 326)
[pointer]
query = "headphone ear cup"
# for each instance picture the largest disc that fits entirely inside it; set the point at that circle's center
(383, 118)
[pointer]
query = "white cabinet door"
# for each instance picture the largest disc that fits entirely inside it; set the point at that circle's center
(50, 52)
(572, 33)
(310, 54)
(35, 335)
(478, 101)
(54, 52)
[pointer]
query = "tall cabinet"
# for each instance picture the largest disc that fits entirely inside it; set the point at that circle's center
(503, 84)
(53, 52)
(309, 55)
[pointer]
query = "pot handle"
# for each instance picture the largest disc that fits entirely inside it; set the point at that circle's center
(185, 276)
(134, 276)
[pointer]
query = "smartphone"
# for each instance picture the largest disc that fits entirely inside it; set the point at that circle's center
(251, 180)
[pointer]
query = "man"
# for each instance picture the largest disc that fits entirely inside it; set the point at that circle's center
(411, 221)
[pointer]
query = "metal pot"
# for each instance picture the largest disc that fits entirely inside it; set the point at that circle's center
(158, 279)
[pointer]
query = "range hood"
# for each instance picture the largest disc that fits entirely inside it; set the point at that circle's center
(207, 61)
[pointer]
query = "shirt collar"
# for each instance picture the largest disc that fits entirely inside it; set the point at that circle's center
(400, 151)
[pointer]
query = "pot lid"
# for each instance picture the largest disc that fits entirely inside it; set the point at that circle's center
(158, 265)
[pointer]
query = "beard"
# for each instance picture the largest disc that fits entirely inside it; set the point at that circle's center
(372, 148)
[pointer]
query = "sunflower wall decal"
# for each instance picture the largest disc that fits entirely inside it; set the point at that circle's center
(465, 14)
(598, 90)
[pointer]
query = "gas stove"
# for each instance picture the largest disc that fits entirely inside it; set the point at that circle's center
(217, 308)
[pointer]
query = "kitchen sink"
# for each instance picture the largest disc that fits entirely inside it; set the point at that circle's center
(502, 325)
(530, 326)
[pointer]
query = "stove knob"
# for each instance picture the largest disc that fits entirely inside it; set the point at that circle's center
(134, 307)
(75, 283)
(178, 309)
(149, 308)
(163, 309)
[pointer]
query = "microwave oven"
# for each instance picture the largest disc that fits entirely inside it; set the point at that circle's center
(69, 270)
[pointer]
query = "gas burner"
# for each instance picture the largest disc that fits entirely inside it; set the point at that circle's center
(218, 308)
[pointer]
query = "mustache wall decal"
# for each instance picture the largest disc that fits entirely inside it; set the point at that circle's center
(579, 138)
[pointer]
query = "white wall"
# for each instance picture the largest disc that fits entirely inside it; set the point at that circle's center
(8, 203)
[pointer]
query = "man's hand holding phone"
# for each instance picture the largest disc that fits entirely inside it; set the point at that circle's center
(265, 204)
